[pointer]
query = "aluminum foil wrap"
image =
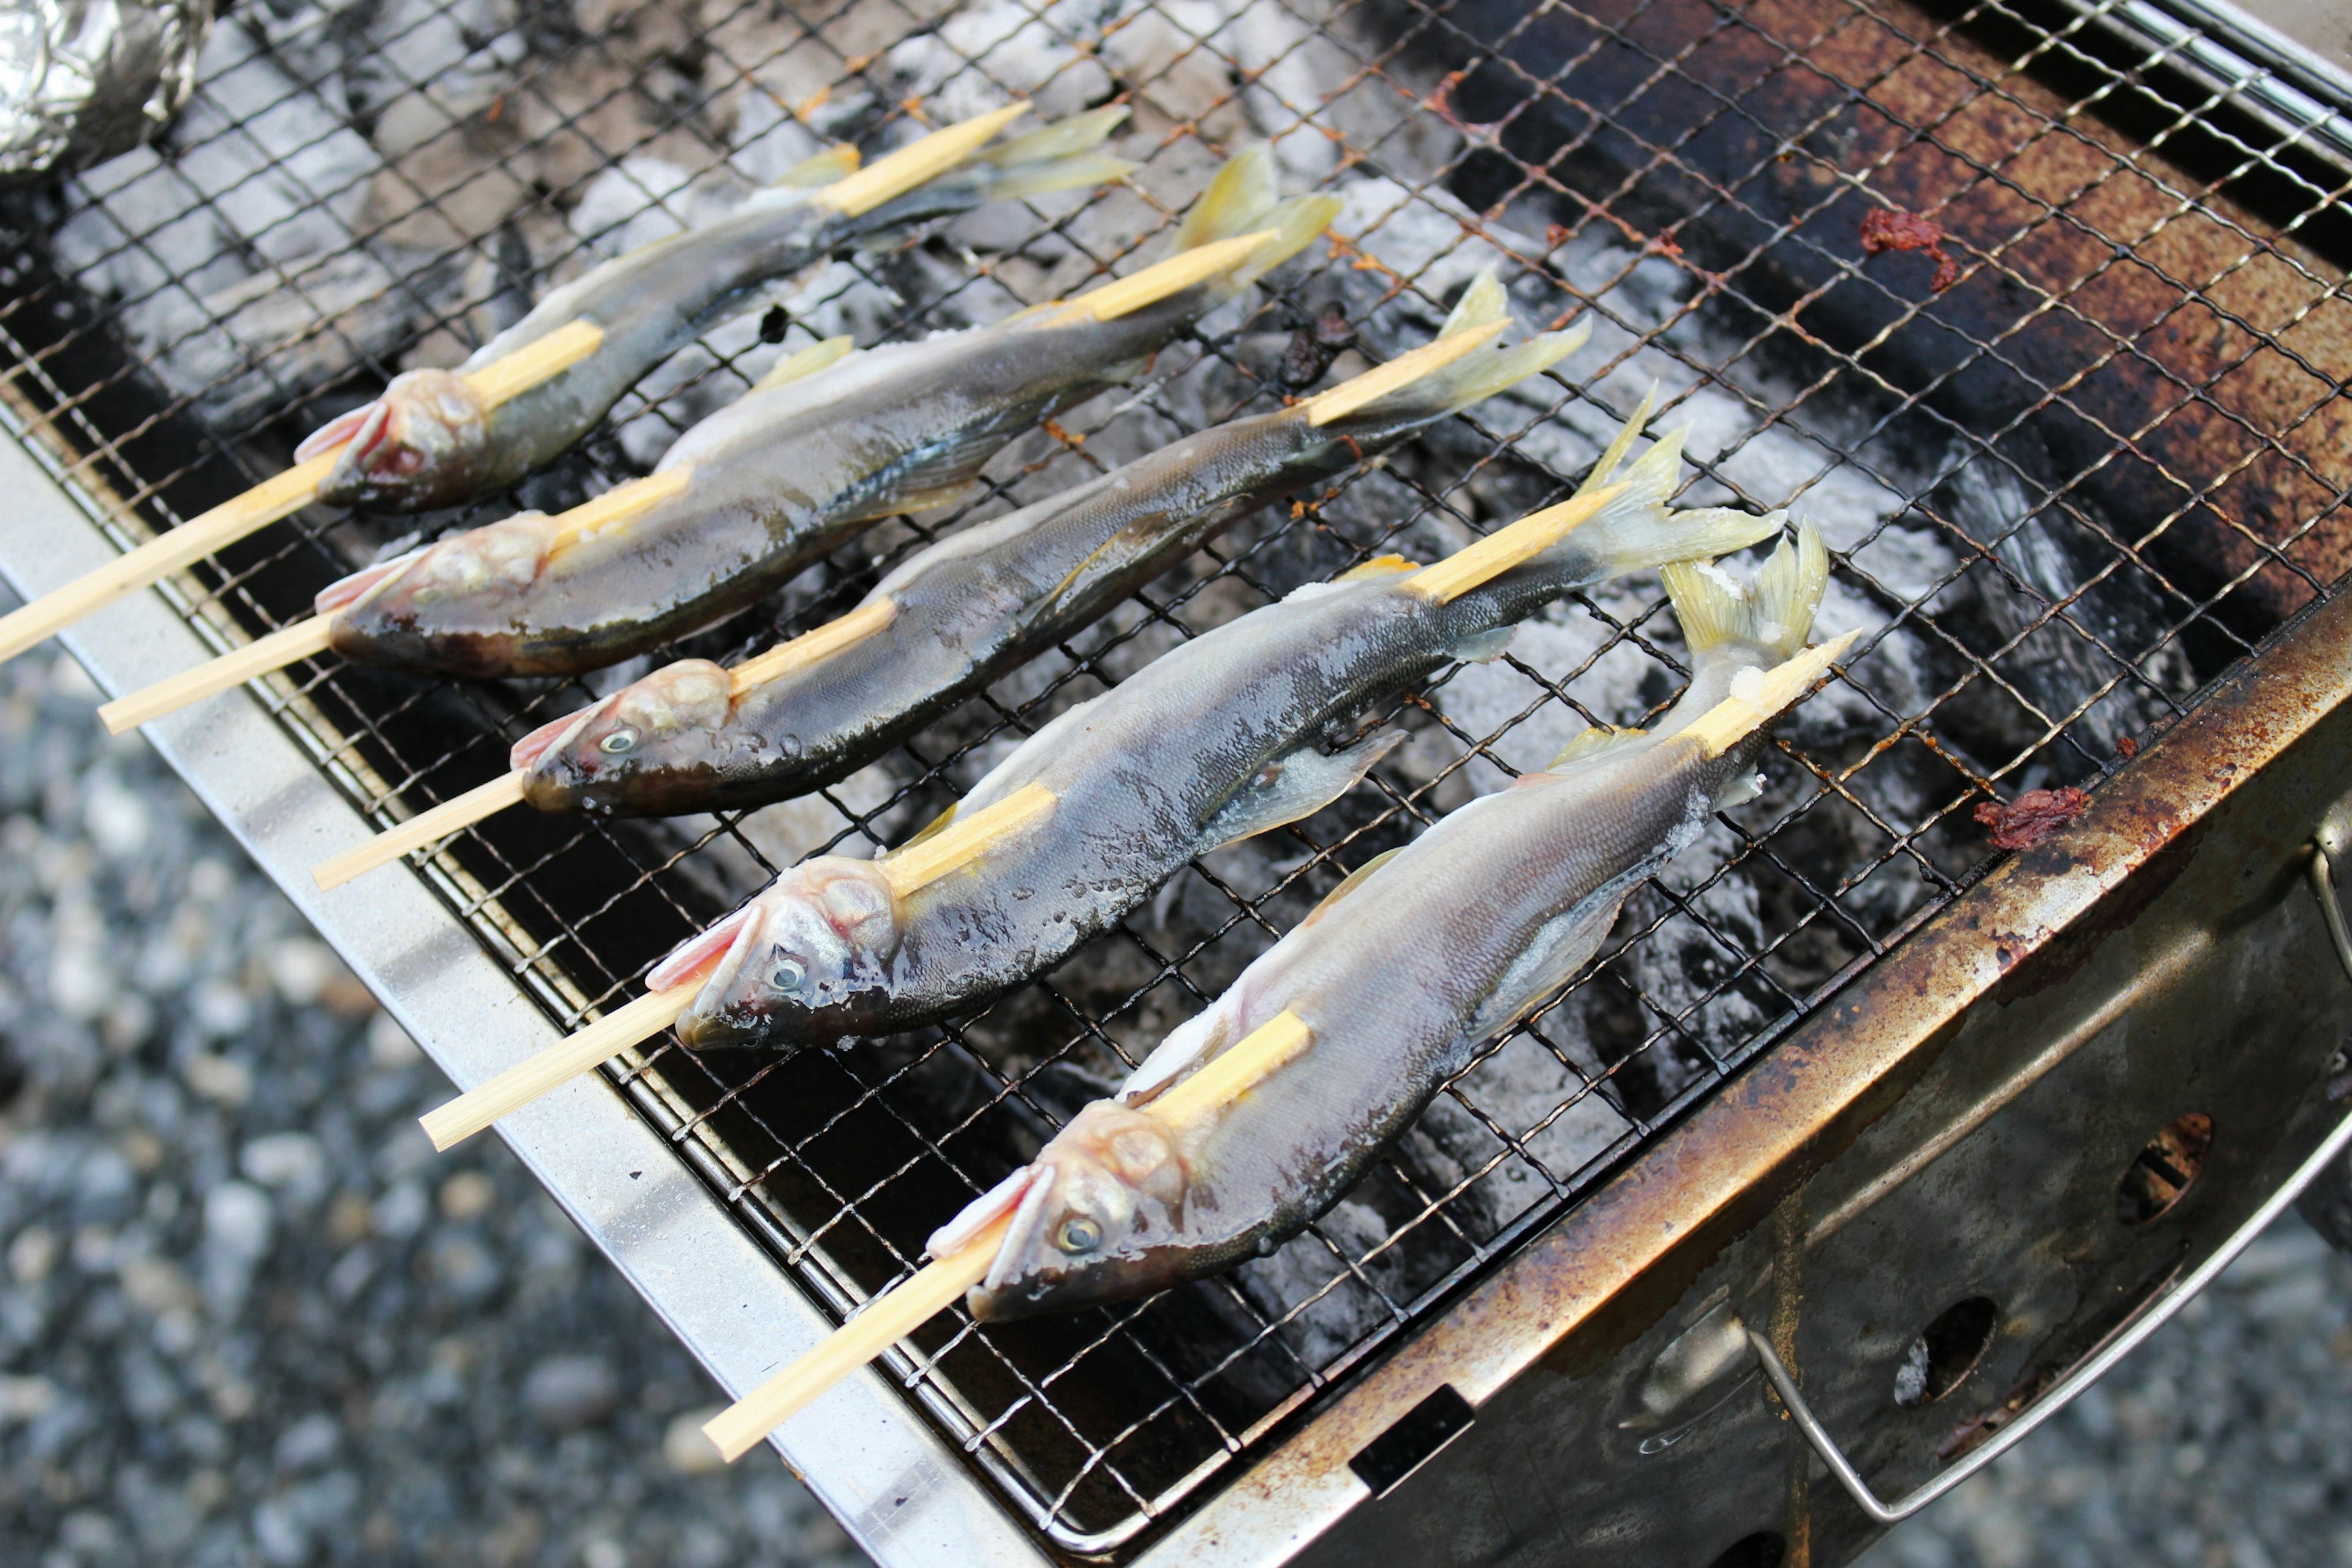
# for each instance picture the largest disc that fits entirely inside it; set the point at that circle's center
(82, 81)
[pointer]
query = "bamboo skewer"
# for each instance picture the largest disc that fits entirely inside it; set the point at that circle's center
(488, 800)
(423, 828)
(1499, 552)
(917, 161)
(901, 1309)
(265, 503)
(917, 865)
(303, 639)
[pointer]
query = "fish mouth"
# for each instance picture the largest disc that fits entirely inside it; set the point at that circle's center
(353, 478)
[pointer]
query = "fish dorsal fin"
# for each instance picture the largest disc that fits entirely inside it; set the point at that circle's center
(1605, 470)
(1508, 547)
(805, 362)
(832, 164)
(1598, 740)
(1293, 787)
(1758, 695)
(1349, 884)
(1378, 566)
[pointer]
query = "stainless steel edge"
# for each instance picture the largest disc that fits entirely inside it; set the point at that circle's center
(896, 1486)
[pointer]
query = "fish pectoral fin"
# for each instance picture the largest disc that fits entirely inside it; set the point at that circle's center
(1483, 647)
(1349, 884)
(1561, 948)
(936, 475)
(1292, 787)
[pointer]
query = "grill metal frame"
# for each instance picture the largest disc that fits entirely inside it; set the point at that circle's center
(343, 748)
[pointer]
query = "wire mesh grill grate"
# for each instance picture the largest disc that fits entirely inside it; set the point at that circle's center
(2146, 260)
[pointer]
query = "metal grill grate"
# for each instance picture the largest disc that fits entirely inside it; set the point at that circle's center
(2062, 493)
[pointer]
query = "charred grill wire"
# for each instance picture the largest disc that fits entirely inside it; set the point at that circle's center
(2061, 492)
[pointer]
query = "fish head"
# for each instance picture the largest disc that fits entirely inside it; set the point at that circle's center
(823, 933)
(433, 606)
(645, 741)
(423, 444)
(1096, 1222)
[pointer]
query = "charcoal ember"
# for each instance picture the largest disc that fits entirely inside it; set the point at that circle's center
(1312, 349)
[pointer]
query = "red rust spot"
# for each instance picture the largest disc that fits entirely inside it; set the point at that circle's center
(1554, 236)
(1067, 438)
(2128, 747)
(1884, 230)
(2031, 816)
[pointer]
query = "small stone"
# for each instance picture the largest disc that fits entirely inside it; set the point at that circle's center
(566, 1393)
(401, 1212)
(236, 1221)
(221, 1009)
(26, 1398)
(308, 1442)
(389, 1045)
(603, 1552)
(687, 1449)
(224, 1081)
(294, 1164)
(467, 1197)
(32, 1255)
(301, 968)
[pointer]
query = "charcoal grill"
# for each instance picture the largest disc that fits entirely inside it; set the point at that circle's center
(1935, 1125)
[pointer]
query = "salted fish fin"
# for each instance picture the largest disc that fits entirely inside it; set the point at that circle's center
(832, 164)
(1775, 612)
(1188, 1045)
(1565, 945)
(1378, 566)
(1598, 740)
(1349, 884)
(1455, 370)
(1065, 156)
(1301, 782)
(806, 361)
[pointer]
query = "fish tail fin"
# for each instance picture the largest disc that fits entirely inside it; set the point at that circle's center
(1635, 531)
(1759, 695)
(1450, 372)
(1774, 611)
(1065, 156)
(1245, 200)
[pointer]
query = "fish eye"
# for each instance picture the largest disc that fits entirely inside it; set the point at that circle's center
(789, 976)
(1079, 1234)
(619, 743)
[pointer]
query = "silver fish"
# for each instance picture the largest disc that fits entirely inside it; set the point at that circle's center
(430, 442)
(1218, 741)
(758, 491)
(1396, 978)
(694, 737)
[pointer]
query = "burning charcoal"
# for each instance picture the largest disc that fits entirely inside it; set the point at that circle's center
(1313, 348)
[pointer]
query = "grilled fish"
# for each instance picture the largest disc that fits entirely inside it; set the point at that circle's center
(694, 736)
(803, 462)
(1393, 980)
(1218, 741)
(428, 441)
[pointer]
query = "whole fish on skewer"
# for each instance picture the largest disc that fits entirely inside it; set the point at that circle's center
(1218, 741)
(952, 618)
(829, 443)
(429, 441)
(1385, 991)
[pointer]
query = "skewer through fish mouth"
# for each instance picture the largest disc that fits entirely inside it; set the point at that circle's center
(1096, 1222)
(647, 748)
(423, 444)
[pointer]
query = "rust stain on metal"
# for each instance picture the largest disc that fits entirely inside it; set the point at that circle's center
(1884, 230)
(2030, 818)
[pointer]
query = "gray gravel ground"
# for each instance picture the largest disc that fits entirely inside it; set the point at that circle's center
(248, 1316)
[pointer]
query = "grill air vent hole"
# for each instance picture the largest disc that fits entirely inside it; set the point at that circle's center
(1945, 1351)
(1765, 1549)
(2160, 1174)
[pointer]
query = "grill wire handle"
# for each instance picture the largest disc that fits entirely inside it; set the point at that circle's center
(2322, 879)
